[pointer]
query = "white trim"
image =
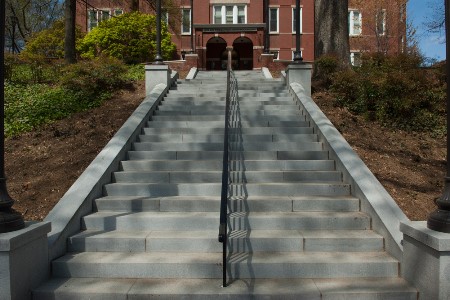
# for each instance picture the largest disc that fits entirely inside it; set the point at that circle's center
(223, 13)
(351, 22)
(182, 19)
(278, 19)
(301, 20)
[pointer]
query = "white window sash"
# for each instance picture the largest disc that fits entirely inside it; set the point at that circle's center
(277, 19)
(220, 14)
(301, 20)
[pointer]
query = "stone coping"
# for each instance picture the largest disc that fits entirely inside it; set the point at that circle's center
(192, 73)
(78, 200)
(375, 200)
(10, 241)
(266, 73)
(419, 231)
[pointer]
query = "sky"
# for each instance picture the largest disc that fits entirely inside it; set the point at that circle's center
(419, 11)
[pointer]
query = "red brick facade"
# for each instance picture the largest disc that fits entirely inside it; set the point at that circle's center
(241, 24)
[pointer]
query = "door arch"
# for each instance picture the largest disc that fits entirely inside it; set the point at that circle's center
(214, 49)
(244, 47)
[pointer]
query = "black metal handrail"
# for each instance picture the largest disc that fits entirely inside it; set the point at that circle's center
(225, 173)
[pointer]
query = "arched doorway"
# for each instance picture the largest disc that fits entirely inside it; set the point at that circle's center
(214, 49)
(244, 48)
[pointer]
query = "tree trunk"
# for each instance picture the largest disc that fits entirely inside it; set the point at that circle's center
(134, 5)
(69, 42)
(331, 29)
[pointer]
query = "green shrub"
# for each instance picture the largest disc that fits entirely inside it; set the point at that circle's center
(91, 78)
(48, 43)
(393, 90)
(135, 72)
(130, 37)
(31, 69)
(29, 106)
(324, 68)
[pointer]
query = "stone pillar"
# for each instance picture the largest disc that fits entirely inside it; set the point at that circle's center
(257, 52)
(191, 61)
(154, 75)
(24, 261)
(300, 73)
(426, 260)
(266, 60)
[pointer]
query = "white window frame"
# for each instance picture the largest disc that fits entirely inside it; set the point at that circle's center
(353, 58)
(301, 20)
(351, 22)
(223, 13)
(99, 16)
(383, 14)
(183, 32)
(278, 19)
(165, 17)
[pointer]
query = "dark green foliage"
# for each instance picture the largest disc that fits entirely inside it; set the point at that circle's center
(393, 90)
(73, 88)
(130, 37)
(324, 67)
(94, 77)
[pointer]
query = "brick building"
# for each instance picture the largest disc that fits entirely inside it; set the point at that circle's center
(208, 26)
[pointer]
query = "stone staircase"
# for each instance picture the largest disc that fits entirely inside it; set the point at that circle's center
(295, 230)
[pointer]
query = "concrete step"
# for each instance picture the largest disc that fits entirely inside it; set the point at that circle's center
(220, 107)
(205, 189)
(220, 130)
(211, 100)
(241, 289)
(243, 241)
(222, 93)
(213, 165)
(250, 112)
(192, 221)
(242, 118)
(218, 146)
(174, 137)
(236, 204)
(208, 265)
(203, 124)
(190, 176)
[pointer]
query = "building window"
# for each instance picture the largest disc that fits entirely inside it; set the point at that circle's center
(355, 58)
(186, 21)
(241, 15)
(95, 16)
(230, 14)
(273, 20)
(355, 22)
(294, 19)
(381, 22)
(165, 17)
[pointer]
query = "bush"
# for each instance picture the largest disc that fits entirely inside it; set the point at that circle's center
(324, 68)
(393, 90)
(28, 106)
(130, 37)
(91, 78)
(48, 43)
(31, 69)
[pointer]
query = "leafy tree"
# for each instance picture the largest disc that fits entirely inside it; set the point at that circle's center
(130, 37)
(49, 43)
(26, 17)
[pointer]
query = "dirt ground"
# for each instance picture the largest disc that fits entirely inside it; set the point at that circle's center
(43, 164)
